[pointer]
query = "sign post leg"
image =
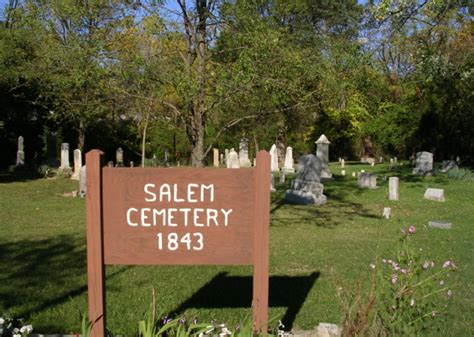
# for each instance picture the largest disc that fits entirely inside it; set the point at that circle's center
(95, 248)
(261, 244)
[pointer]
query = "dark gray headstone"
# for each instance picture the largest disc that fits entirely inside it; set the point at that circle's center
(367, 180)
(424, 163)
(20, 154)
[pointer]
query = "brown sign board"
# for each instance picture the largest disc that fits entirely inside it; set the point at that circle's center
(163, 216)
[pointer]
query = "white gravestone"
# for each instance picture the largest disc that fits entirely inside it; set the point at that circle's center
(343, 163)
(119, 157)
(322, 151)
(233, 159)
(343, 173)
(274, 159)
(387, 212)
(440, 224)
(393, 190)
(436, 194)
(244, 153)
(289, 163)
(82, 181)
(77, 164)
(227, 163)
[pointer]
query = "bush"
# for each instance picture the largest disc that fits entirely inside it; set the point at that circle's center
(460, 174)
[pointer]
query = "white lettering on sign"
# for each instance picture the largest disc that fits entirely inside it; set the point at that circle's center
(179, 217)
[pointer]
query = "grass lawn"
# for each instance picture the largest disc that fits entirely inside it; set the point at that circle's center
(314, 250)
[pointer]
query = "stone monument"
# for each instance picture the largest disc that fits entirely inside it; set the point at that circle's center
(20, 154)
(289, 163)
(367, 180)
(233, 159)
(119, 157)
(82, 182)
(65, 167)
(307, 188)
(274, 159)
(393, 191)
(244, 153)
(423, 163)
(322, 152)
(215, 157)
(77, 164)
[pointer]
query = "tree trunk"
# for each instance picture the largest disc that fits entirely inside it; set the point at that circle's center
(145, 127)
(81, 139)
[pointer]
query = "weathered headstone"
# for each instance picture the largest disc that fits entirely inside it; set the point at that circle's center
(65, 167)
(343, 163)
(391, 166)
(387, 212)
(132, 164)
(367, 180)
(272, 183)
(82, 181)
(322, 151)
(289, 163)
(381, 160)
(233, 159)
(110, 163)
(393, 190)
(274, 159)
(244, 153)
(307, 188)
(368, 155)
(215, 157)
(20, 154)
(440, 224)
(77, 164)
(424, 163)
(119, 157)
(448, 165)
(221, 159)
(436, 194)
(328, 330)
(282, 177)
(343, 173)
(458, 160)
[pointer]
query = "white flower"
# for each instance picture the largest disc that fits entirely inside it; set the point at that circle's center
(16, 335)
(441, 283)
(412, 302)
(372, 266)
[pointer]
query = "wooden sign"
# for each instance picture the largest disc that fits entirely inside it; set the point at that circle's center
(162, 216)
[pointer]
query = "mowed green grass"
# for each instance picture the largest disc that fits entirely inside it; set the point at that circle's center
(313, 251)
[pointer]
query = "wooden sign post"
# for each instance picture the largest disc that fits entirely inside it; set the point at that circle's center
(162, 216)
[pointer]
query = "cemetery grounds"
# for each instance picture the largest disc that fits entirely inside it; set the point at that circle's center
(315, 253)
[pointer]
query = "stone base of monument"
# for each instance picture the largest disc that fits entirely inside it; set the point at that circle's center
(367, 160)
(306, 193)
(288, 170)
(420, 172)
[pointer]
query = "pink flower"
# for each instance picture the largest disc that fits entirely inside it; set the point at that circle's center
(449, 264)
(384, 261)
(394, 278)
(404, 271)
(412, 230)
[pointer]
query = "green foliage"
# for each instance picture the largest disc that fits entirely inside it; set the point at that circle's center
(460, 174)
(407, 296)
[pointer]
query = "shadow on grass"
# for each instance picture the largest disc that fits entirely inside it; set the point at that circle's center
(20, 175)
(37, 275)
(236, 291)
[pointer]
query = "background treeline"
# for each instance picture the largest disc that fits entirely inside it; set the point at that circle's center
(187, 76)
